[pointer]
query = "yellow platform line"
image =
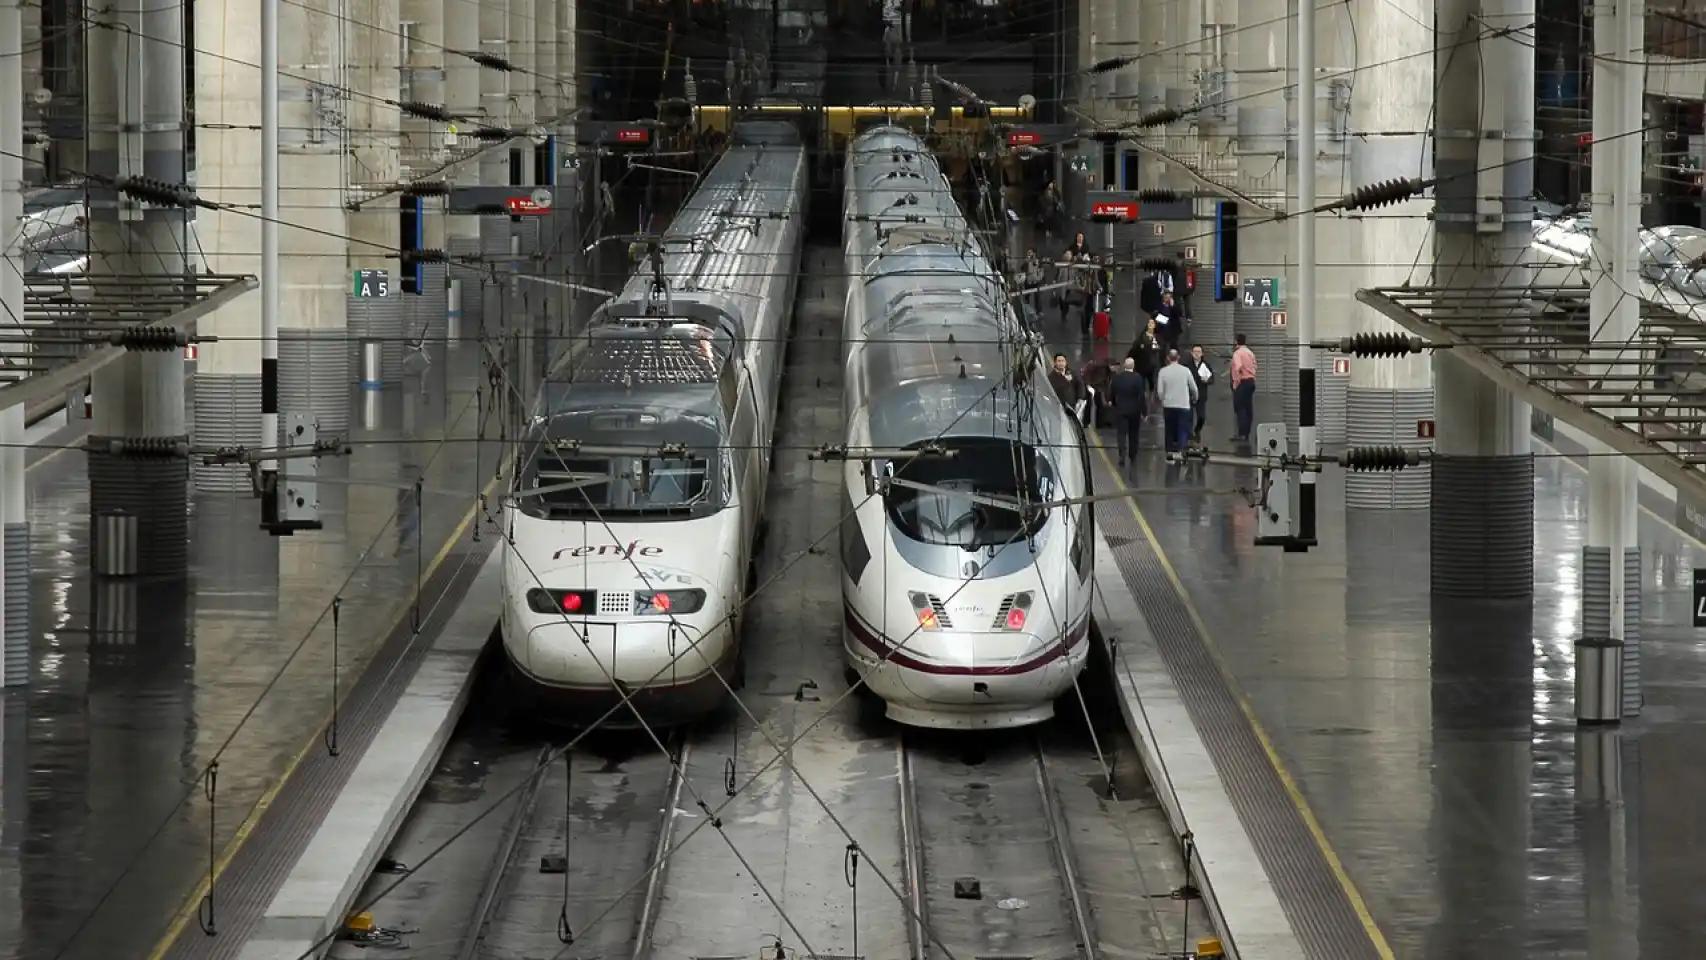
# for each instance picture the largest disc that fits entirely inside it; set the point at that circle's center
(1358, 905)
(235, 845)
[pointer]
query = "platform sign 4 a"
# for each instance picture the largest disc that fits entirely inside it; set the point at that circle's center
(372, 283)
(1262, 292)
(1700, 597)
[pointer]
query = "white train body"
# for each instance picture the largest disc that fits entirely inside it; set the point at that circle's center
(958, 614)
(632, 583)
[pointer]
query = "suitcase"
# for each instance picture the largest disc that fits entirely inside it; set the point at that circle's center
(1100, 325)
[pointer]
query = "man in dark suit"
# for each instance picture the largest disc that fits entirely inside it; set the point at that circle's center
(1130, 393)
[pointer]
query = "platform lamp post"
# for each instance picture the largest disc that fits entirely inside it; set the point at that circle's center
(1307, 444)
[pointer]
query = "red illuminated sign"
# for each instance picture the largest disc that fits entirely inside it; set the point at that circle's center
(633, 135)
(524, 207)
(1584, 139)
(1190, 279)
(1024, 138)
(1105, 210)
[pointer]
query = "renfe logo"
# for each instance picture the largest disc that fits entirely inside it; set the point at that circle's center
(610, 550)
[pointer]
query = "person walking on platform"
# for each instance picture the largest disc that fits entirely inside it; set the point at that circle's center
(1032, 280)
(1068, 267)
(1178, 391)
(1169, 321)
(1130, 393)
(1067, 387)
(1204, 375)
(1146, 354)
(1243, 377)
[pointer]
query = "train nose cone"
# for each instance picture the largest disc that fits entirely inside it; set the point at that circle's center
(630, 652)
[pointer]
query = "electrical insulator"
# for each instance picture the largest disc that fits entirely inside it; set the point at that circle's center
(157, 448)
(1111, 64)
(429, 255)
(689, 86)
(149, 339)
(1380, 345)
(491, 60)
(1107, 136)
(1381, 194)
(1378, 459)
(427, 188)
(1160, 118)
(1158, 196)
(1157, 263)
(158, 192)
(425, 111)
(492, 134)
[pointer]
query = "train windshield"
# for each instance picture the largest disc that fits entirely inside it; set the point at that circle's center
(564, 487)
(938, 501)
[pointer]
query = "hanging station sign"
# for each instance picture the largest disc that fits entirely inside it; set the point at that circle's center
(372, 283)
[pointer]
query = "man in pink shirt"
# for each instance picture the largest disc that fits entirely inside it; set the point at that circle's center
(1243, 377)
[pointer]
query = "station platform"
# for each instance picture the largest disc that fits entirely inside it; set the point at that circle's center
(139, 685)
(1410, 772)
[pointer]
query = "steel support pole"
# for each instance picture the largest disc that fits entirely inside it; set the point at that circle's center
(1306, 304)
(270, 277)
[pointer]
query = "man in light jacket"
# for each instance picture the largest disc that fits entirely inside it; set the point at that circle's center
(1178, 389)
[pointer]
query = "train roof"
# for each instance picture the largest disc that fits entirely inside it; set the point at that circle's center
(669, 366)
(726, 237)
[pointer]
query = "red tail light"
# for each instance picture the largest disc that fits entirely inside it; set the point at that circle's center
(1016, 619)
(572, 602)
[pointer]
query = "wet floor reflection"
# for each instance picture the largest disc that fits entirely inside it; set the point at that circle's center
(138, 683)
(1436, 743)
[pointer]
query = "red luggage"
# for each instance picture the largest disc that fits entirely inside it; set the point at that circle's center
(1100, 324)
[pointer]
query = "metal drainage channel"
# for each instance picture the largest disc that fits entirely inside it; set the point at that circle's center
(253, 877)
(1317, 906)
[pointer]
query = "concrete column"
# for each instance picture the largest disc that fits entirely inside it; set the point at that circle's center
(1383, 398)
(1104, 30)
(136, 128)
(423, 80)
(1126, 19)
(14, 557)
(462, 98)
(375, 161)
(498, 101)
(1611, 564)
(318, 155)
(1259, 61)
(1482, 485)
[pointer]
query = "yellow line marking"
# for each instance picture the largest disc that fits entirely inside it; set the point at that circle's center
(192, 905)
(1649, 511)
(1360, 907)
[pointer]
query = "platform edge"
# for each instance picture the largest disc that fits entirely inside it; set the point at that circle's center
(326, 879)
(1243, 904)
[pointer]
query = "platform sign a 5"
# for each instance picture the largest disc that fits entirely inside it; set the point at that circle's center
(372, 283)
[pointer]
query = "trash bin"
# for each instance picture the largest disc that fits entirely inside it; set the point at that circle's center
(1599, 680)
(115, 544)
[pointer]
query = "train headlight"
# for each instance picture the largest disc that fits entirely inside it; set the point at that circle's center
(577, 602)
(666, 602)
(926, 611)
(1015, 610)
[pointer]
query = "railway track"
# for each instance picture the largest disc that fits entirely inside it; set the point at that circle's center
(989, 863)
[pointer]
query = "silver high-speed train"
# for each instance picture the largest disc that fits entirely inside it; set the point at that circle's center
(967, 597)
(633, 514)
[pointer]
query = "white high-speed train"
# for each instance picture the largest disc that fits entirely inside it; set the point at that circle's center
(961, 610)
(633, 515)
